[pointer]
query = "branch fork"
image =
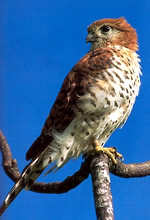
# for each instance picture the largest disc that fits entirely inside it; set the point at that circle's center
(98, 165)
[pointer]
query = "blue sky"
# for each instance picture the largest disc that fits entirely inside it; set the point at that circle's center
(40, 42)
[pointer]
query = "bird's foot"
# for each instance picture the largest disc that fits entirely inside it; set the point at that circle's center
(110, 151)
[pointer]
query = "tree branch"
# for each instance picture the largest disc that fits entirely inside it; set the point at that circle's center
(101, 187)
(99, 165)
(130, 170)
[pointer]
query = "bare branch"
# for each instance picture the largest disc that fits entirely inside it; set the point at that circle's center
(130, 170)
(101, 187)
(120, 169)
(62, 187)
(9, 164)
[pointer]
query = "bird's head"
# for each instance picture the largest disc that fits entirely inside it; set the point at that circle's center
(109, 31)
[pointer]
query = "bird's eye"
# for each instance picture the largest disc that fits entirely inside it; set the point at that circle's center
(105, 28)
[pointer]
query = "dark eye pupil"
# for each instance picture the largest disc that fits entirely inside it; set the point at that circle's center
(105, 28)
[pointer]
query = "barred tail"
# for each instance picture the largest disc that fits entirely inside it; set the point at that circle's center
(28, 176)
(33, 170)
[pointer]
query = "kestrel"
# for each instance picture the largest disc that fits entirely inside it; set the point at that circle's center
(96, 97)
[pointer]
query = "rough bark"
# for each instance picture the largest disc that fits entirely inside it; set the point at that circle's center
(99, 168)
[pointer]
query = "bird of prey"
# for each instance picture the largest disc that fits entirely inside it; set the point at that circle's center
(96, 97)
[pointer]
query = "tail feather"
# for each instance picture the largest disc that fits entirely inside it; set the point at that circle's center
(12, 195)
(33, 170)
(28, 177)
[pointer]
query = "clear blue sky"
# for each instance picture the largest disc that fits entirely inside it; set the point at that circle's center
(40, 41)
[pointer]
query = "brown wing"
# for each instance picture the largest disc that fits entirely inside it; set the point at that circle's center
(75, 84)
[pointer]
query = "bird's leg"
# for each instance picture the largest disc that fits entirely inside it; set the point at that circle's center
(110, 151)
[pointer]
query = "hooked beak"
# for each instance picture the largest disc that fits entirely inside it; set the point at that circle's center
(89, 38)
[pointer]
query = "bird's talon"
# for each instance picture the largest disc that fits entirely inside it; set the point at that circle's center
(111, 152)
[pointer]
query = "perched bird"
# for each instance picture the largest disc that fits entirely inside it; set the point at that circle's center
(96, 97)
